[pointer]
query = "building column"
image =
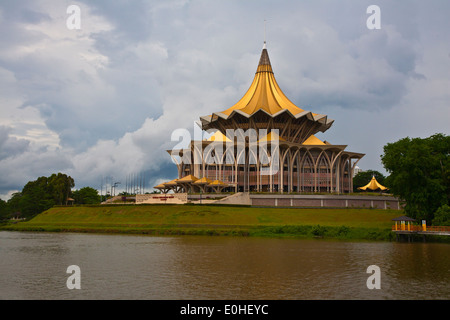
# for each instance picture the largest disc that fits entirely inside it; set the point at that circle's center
(291, 173)
(258, 176)
(236, 188)
(337, 173)
(281, 172)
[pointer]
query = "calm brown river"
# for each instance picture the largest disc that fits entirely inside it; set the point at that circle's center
(34, 266)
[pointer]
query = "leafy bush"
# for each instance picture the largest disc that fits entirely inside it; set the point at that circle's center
(318, 231)
(442, 216)
(343, 230)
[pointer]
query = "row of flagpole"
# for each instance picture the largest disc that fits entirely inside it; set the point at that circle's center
(134, 184)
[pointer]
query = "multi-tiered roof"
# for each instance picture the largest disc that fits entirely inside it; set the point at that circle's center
(265, 106)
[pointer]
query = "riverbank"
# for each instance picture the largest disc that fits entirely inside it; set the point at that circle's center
(345, 224)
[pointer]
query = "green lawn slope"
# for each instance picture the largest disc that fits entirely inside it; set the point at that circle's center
(368, 224)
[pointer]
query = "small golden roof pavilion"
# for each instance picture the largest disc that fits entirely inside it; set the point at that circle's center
(373, 185)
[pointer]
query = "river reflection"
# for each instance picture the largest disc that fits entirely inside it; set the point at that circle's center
(33, 266)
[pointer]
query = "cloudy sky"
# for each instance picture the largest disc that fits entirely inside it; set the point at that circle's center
(103, 100)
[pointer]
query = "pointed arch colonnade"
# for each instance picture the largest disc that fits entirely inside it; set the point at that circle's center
(294, 168)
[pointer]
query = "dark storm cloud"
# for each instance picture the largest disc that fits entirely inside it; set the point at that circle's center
(335, 60)
(53, 85)
(131, 20)
(33, 17)
(29, 165)
(11, 146)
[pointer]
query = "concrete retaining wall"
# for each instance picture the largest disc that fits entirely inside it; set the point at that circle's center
(278, 200)
(242, 198)
(336, 201)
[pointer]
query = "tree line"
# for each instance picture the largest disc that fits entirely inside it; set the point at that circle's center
(43, 193)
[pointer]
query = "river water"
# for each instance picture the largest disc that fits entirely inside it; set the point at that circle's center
(34, 266)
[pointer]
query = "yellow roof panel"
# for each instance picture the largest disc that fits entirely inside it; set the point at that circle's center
(314, 141)
(218, 136)
(217, 183)
(373, 185)
(189, 178)
(171, 183)
(271, 137)
(203, 180)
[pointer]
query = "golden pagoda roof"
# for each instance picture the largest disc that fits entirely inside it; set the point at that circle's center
(265, 95)
(203, 180)
(171, 183)
(314, 141)
(160, 186)
(373, 185)
(187, 179)
(217, 183)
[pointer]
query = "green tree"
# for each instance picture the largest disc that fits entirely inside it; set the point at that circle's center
(41, 194)
(442, 216)
(13, 204)
(86, 195)
(363, 177)
(4, 212)
(36, 197)
(419, 173)
(60, 186)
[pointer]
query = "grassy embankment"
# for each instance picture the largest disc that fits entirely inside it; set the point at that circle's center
(350, 224)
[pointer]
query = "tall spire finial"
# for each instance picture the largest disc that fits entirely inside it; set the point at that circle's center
(264, 47)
